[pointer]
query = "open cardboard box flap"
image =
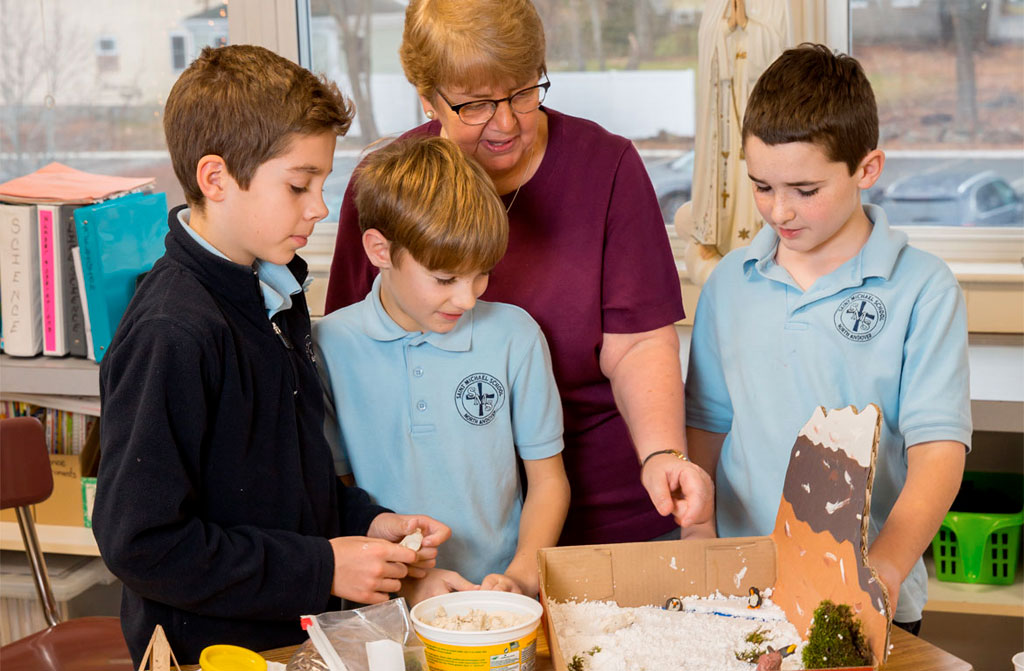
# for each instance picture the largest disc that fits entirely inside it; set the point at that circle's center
(817, 551)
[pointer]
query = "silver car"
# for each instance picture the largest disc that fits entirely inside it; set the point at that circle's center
(952, 198)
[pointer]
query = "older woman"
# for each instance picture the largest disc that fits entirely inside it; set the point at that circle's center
(588, 258)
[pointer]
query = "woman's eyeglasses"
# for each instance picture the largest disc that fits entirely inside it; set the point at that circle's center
(477, 112)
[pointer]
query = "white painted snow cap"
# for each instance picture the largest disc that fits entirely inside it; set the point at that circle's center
(844, 429)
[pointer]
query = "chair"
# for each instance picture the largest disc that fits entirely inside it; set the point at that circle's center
(79, 644)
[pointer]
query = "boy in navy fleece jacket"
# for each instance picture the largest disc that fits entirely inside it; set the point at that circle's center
(217, 503)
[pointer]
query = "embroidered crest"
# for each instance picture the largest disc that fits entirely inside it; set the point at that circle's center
(479, 397)
(860, 317)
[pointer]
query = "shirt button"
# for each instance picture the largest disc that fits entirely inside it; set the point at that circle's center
(417, 371)
(421, 406)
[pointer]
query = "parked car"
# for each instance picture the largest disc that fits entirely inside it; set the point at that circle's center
(672, 179)
(952, 198)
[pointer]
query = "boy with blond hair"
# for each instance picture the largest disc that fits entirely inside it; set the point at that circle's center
(829, 307)
(438, 393)
(217, 503)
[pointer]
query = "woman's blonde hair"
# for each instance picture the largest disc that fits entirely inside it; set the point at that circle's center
(470, 43)
(429, 199)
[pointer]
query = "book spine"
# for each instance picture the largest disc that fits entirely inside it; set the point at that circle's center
(19, 281)
(74, 318)
(51, 281)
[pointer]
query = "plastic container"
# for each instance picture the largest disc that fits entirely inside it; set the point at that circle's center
(979, 540)
(77, 583)
(499, 649)
(230, 658)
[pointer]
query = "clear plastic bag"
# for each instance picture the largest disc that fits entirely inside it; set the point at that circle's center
(348, 632)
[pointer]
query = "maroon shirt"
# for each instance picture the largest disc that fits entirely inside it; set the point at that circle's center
(588, 254)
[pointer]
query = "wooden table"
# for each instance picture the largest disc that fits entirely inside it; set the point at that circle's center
(909, 653)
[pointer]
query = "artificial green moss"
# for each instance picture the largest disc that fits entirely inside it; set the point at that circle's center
(835, 639)
(752, 654)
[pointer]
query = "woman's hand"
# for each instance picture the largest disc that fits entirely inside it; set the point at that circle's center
(437, 581)
(679, 488)
(393, 527)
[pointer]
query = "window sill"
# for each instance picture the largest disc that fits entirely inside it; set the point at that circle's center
(993, 291)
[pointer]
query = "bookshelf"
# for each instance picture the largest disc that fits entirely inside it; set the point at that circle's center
(62, 383)
(977, 599)
(50, 376)
(52, 539)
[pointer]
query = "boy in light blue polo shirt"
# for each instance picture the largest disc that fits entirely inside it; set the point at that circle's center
(437, 393)
(829, 307)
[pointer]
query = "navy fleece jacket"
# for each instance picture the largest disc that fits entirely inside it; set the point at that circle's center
(217, 491)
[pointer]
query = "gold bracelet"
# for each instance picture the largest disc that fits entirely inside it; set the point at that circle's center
(676, 453)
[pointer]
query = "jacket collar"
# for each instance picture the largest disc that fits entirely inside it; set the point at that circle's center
(234, 283)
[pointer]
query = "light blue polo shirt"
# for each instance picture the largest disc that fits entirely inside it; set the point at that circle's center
(277, 283)
(431, 423)
(888, 327)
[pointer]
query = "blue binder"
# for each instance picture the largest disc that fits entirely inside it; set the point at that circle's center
(118, 240)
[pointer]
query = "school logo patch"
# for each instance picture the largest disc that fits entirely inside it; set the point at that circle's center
(860, 317)
(479, 397)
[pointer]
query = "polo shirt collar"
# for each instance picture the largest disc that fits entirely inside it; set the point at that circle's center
(876, 258)
(379, 325)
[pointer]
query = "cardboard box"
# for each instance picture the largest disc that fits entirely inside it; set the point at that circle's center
(817, 550)
(65, 505)
(641, 574)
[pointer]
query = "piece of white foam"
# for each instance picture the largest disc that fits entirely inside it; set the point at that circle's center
(385, 655)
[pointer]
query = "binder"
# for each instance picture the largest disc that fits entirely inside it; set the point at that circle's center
(63, 325)
(117, 240)
(19, 273)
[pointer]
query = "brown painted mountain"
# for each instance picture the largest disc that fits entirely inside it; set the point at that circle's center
(821, 528)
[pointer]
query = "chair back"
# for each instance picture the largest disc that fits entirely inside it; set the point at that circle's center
(26, 479)
(79, 644)
(25, 476)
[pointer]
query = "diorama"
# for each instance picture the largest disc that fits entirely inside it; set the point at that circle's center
(802, 598)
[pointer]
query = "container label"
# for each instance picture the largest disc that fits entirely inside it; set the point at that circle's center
(517, 655)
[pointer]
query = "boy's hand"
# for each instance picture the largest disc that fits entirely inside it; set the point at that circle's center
(889, 575)
(502, 582)
(437, 581)
(680, 488)
(393, 527)
(368, 570)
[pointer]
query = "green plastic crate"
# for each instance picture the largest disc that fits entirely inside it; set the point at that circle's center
(979, 540)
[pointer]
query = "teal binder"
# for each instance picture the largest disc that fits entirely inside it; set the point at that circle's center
(118, 240)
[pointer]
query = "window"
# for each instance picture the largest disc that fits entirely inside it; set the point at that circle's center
(949, 81)
(637, 57)
(106, 54)
(178, 59)
(102, 114)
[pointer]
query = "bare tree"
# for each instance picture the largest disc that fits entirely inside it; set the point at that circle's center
(576, 60)
(40, 60)
(595, 31)
(353, 19)
(967, 18)
(641, 42)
